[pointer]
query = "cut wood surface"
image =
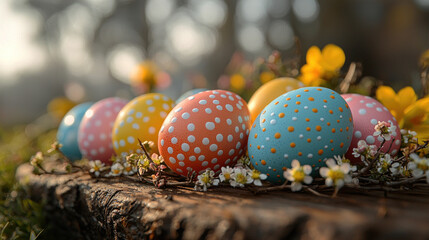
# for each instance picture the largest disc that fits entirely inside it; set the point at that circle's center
(81, 207)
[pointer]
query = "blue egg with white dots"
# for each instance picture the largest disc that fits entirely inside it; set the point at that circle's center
(309, 124)
(68, 131)
(190, 93)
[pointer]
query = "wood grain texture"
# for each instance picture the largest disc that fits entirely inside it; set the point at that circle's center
(84, 208)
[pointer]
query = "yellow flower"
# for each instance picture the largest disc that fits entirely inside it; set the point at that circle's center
(237, 82)
(58, 107)
(411, 114)
(144, 79)
(266, 76)
(322, 65)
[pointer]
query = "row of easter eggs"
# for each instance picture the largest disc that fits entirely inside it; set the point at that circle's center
(211, 129)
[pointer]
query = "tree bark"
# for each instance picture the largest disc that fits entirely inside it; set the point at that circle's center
(80, 207)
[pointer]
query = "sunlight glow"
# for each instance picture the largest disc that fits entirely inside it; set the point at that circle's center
(19, 49)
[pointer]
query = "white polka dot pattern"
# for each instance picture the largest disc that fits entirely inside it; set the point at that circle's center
(209, 131)
(141, 119)
(366, 113)
(95, 130)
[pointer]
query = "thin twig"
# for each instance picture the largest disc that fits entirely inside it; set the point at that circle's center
(316, 192)
(419, 147)
(144, 150)
(406, 181)
(348, 79)
(369, 180)
(372, 162)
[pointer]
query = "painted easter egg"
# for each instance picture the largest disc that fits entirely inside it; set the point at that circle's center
(140, 119)
(366, 113)
(95, 130)
(68, 130)
(190, 93)
(206, 130)
(308, 124)
(270, 91)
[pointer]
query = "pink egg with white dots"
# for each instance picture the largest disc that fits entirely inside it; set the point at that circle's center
(367, 112)
(207, 130)
(95, 130)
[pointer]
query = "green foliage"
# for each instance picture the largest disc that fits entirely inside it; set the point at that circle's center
(20, 217)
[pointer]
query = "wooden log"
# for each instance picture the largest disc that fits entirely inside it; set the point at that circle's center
(80, 207)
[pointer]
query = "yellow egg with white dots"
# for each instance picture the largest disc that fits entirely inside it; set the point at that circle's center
(140, 119)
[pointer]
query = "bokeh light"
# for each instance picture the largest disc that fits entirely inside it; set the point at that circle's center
(19, 26)
(123, 59)
(306, 10)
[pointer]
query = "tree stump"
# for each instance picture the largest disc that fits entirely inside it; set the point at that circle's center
(80, 207)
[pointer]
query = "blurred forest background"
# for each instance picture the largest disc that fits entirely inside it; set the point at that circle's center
(87, 50)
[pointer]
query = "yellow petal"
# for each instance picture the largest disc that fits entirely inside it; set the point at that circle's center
(387, 96)
(311, 74)
(406, 97)
(422, 132)
(416, 113)
(333, 57)
(314, 56)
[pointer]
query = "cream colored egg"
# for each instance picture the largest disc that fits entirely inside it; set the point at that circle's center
(270, 91)
(140, 119)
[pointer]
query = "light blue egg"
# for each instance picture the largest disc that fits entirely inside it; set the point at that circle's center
(68, 131)
(308, 124)
(190, 93)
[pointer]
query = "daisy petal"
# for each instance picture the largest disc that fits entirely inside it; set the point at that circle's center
(307, 169)
(295, 163)
(330, 163)
(324, 171)
(308, 179)
(296, 186)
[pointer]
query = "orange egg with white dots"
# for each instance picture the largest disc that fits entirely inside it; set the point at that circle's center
(208, 130)
(270, 91)
(309, 124)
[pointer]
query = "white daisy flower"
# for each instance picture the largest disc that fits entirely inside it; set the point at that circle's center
(116, 170)
(336, 175)
(96, 167)
(240, 178)
(418, 166)
(205, 180)
(226, 174)
(256, 176)
(298, 175)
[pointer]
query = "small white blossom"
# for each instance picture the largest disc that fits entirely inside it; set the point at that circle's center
(205, 180)
(37, 159)
(226, 174)
(243, 162)
(298, 175)
(129, 169)
(384, 130)
(419, 166)
(408, 135)
(395, 168)
(157, 159)
(384, 164)
(364, 150)
(362, 146)
(240, 178)
(116, 170)
(336, 175)
(340, 160)
(96, 167)
(256, 176)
